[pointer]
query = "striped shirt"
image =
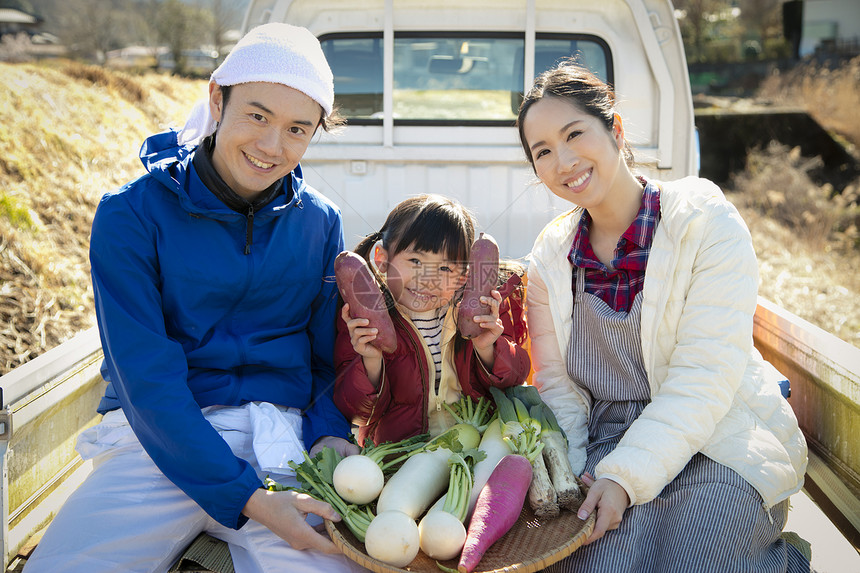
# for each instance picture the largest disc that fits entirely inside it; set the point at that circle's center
(429, 325)
(619, 286)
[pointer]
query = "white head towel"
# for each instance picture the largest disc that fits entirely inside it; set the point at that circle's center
(275, 53)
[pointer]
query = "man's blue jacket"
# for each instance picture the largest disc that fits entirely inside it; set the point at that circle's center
(188, 320)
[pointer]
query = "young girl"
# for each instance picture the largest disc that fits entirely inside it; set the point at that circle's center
(422, 253)
(640, 307)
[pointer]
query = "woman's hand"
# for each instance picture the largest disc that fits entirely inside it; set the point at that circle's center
(609, 499)
(493, 328)
(284, 513)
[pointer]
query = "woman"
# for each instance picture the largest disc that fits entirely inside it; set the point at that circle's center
(640, 306)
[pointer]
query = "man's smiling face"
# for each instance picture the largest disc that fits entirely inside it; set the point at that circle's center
(263, 132)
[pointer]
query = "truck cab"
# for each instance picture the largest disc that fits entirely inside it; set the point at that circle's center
(431, 92)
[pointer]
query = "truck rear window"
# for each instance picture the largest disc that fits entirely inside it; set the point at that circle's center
(447, 78)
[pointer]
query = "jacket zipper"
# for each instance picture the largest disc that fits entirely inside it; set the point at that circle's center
(249, 230)
(425, 375)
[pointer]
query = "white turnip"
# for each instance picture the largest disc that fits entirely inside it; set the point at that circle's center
(358, 479)
(392, 537)
(441, 535)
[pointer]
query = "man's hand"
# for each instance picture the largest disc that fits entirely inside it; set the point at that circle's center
(284, 512)
(609, 499)
(340, 445)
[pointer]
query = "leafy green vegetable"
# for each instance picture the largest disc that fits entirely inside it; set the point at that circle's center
(466, 411)
(384, 454)
(461, 481)
(519, 430)
(315, 477)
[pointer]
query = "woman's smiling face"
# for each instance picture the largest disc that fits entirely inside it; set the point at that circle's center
(264, 130)
(573, 153)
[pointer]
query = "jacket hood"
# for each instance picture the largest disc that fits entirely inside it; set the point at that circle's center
(169, 163)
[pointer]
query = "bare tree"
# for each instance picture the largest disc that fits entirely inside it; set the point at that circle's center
(143, 20)
(181, 27)
(762, 17)
(694, 17)
(88, 27)
(224, 14)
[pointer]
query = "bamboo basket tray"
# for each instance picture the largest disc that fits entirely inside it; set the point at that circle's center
(532, 544)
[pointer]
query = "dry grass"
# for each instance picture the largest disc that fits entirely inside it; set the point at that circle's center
(830, 96)
(806, 235)
(68, 133)
(806, 239)
(777, 185)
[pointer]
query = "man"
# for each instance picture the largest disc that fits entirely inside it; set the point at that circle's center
(216, 307)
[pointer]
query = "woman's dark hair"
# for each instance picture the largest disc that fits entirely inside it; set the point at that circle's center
(329, 123)
(577, 84)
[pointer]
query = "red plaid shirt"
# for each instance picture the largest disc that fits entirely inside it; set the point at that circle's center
(619, 286)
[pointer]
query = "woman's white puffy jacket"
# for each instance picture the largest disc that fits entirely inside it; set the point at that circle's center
(711, 391)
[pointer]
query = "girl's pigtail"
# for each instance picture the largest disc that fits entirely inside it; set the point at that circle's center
(364, 249)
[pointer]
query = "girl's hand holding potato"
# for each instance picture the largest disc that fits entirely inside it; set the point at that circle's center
(491, 329)
(361, 335)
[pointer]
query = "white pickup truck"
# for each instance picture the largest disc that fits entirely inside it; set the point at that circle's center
(431, 91)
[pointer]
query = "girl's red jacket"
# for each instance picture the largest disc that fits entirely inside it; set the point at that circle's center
(398, 408)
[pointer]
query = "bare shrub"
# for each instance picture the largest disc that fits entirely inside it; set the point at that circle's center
(123, 84)
(805, 238)
(15, 48)
(828, 95)
(776, 184)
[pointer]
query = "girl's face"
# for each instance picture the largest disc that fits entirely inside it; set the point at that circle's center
(420, 280)
(573, 153)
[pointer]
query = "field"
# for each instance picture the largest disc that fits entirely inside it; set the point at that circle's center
(69, 132)
(807, 236)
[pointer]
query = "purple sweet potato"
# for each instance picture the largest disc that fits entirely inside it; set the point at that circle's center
(359, 289)
(483, 278)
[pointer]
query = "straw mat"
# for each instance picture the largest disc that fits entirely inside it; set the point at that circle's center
(532, 544)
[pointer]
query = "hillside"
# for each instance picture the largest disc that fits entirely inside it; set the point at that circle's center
(68, 133)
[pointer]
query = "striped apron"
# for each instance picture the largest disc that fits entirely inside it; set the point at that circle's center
(708, 519)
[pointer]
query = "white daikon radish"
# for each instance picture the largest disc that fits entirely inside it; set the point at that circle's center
(417, 484)
(495, 449)
(424, 476)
